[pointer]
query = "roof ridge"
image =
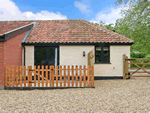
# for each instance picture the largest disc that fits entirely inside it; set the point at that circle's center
(108, 31)
(18, 28)
(28, 32)
(36, 20)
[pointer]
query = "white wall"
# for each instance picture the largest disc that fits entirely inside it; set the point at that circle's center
(73, 54)
(29, 56)
(116, 60)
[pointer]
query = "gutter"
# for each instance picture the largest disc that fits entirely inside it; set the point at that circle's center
(24, 53)
(2, 38)
(24, 39)
(28, 32)
(18, 28)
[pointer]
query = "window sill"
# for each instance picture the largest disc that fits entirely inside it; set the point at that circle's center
(101, 63)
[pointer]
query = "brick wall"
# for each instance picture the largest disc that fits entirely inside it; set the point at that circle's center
(10, 54)
(13, 51)
(1, 64)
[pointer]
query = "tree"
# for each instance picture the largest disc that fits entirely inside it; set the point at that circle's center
(118, 2)
(107, 26)
(135, 24)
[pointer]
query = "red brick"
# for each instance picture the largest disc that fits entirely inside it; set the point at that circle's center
(10, 54)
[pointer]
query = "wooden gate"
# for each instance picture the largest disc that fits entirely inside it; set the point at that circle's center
(129, 71)
(42, 77)
(91, 58)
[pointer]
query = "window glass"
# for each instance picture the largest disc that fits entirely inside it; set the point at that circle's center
(105, 48)
(41, 56)
(51, 56)
(102, 55)
(106, 56)
(98, 56)
(98, 48)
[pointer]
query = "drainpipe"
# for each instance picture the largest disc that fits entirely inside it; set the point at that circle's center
(24, 54)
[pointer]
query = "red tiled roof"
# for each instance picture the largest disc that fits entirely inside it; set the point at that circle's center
(6, 26)
(66, 31)
(69, 31)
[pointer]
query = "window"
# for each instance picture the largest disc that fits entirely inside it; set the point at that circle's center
(46, 56)
(102, 54)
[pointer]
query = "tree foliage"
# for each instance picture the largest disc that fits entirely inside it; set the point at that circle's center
(107, 26)
(134, 24)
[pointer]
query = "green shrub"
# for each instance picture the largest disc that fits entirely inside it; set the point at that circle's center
(137, 56)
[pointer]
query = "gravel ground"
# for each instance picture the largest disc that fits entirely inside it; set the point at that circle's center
(108, 96)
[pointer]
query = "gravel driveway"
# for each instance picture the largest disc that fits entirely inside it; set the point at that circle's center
(108, 96)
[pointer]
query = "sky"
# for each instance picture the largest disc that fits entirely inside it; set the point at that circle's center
(90, 10)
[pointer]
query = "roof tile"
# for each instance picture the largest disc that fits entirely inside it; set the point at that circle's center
(65, 31)
(6, 26)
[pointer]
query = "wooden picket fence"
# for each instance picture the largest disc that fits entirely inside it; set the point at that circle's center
(49, 76)
(129, 71)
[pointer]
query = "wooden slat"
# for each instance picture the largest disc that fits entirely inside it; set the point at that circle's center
(62, 82)
(92, 76)
(17, 77)
(46, 76)
(80, 75)
(13, 78)
(141, 76)
(124, 66)
(64, 76)
(142, 59)
(24, 76)
(76, 76)
(9, 76)
(20, 76)
(30, 77)
(56, 76)
(45, 69)
(140, 63)
(52, 75)
(28, 80)
(84, 75)
(88, 75)
(60, 76)
(5, 76)
(138, 72)
(137, 68)
(42, 76)
(68, 76)
(137, 59)
(72, 76)
(34, 76)
(45, 79)
(38, 76)
(126, 63)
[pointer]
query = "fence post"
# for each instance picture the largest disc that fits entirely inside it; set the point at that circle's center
(52, 75)
(127, 66)
(92, 75)
(30, 75)
(5, 76)
(124, 66)
(88, 76)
